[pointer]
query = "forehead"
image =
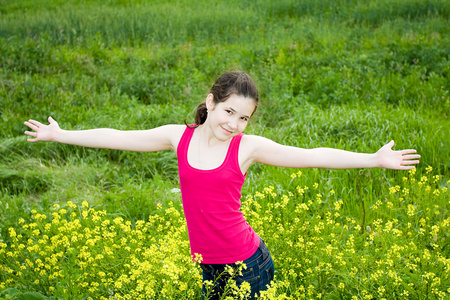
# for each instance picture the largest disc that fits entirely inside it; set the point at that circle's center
(240, 104)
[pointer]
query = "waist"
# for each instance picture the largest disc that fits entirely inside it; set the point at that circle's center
(225, 246)
(217, 269)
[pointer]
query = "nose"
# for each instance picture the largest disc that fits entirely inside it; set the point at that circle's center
(232, 123)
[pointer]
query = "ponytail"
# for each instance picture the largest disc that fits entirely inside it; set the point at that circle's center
(200, 115)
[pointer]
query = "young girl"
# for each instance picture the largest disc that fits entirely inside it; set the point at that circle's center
(213, 158)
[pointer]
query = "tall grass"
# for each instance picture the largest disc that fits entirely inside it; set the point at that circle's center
(345, 74)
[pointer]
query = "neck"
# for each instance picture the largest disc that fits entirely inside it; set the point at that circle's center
(207, 136)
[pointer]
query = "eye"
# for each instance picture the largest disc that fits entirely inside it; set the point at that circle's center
(228, 111)
(245, 119)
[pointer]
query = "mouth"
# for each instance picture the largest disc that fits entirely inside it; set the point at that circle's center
(226, 130)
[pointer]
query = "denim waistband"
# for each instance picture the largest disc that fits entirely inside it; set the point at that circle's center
(219, 268)
(264, 249)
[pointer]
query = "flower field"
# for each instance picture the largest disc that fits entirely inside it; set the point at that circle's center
(76, 251)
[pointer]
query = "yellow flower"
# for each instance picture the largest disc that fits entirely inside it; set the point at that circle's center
(411, 210)
(12, 232)
(71, 205)
(338, 204)
(394, 189)
(198, 258)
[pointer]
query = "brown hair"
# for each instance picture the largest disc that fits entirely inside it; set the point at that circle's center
(230, 83)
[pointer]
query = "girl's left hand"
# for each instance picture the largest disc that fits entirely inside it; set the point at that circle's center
(397, 160)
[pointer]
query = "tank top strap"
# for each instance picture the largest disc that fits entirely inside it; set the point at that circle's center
(235, 142)
(183, 145)
(233, 151)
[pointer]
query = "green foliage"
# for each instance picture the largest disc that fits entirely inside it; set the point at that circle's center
(345, 74)
(395, 243)
(14, 294)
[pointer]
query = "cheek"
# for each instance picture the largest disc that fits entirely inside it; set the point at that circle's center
(242, 126)
(216, 116)
(222, 118)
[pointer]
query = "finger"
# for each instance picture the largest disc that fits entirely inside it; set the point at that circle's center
(51, 120)
(410, 162)
(408, 151)
(32, 126)
(407, 168)
(31, 133)
(32, 140)
(391, 144)
(35, 123)
(417, 156)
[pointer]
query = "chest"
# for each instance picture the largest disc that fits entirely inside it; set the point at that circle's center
(204, 157)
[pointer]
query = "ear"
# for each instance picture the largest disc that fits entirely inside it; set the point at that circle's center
(210, 102)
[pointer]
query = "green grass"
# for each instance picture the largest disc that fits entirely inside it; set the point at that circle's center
(345, 74)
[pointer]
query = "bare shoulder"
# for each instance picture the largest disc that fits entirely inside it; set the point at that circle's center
(174, 132)
(252, 145)
(263, 150)
(174, 129)
(254, 141)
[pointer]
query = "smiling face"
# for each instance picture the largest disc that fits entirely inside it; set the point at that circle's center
(229, 118)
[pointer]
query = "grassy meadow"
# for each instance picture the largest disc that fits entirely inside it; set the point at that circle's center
(79, 223)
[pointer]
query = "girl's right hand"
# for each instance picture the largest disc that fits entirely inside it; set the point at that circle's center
(42, 132)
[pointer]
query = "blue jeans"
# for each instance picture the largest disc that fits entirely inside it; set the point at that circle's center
(259, 273)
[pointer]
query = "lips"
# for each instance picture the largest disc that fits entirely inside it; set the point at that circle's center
(226, 130)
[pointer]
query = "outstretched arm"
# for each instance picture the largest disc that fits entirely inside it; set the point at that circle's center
(160, 138)
(268, 152)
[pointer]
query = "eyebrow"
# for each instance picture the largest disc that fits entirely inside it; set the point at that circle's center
(233, 110)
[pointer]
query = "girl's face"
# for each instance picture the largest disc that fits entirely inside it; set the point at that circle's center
(229, 118)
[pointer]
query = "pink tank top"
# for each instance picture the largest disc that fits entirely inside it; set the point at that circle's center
(211, 202)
